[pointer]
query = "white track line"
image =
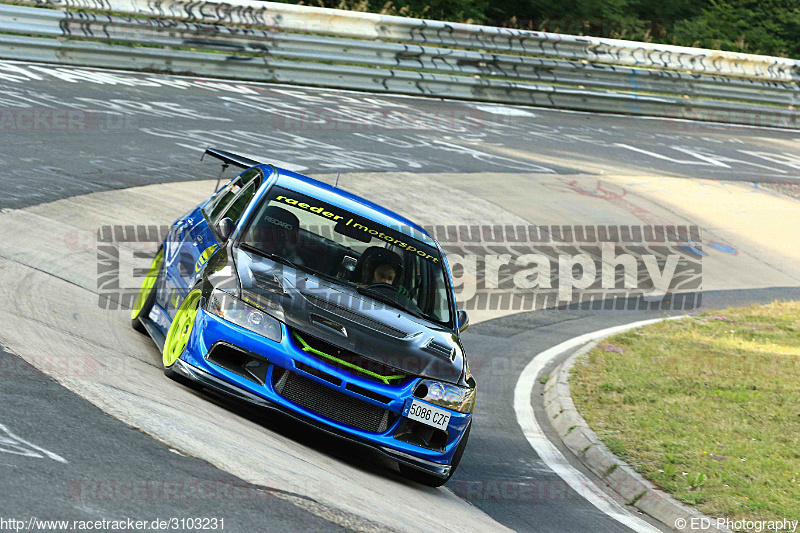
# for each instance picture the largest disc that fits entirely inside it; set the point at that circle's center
(11, 438)
(547, 451)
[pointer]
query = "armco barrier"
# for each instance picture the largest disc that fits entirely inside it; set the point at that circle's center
(262, 41)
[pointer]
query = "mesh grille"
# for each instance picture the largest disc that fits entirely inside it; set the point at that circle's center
(355, 317)
(332, 403)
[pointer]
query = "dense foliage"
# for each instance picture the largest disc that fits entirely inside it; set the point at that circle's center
(770, 27)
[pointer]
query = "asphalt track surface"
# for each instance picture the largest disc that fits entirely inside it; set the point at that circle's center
(97, 131)
(73, 132)
(105, 456)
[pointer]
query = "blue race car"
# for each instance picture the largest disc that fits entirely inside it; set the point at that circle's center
(300, 297)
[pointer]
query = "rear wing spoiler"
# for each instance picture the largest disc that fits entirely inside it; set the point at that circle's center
(229, 158)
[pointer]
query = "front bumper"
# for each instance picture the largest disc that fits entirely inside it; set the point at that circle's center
(285, 355)
(207, 380)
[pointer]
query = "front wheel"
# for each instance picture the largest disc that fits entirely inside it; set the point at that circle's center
(429, 479)
(147, 293)
(180, 331)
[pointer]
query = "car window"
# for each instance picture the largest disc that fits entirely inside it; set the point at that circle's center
(223, 198)
(240, 202)
(325, 239)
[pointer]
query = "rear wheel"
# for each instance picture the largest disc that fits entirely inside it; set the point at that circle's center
(180, 331)
(429, 479)
(147, 293)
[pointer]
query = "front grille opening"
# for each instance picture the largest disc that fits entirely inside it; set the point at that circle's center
(419, 434)
(346, 360)
(249, 366)
(319, 373)
(331, 403)
(368, 393)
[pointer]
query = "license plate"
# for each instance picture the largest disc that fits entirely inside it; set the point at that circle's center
(428, 414)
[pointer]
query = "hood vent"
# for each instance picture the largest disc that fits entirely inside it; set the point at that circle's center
(330, 324)
(440, 350)
(269, 283)
(355, 317)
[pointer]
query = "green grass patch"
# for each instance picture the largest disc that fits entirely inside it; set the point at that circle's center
(708, 407)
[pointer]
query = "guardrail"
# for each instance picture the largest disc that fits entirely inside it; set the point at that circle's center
(261, 41)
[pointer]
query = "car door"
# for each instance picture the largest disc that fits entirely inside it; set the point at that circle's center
(193, 238)
(200, 240)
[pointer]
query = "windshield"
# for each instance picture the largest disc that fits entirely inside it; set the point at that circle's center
(378, 261)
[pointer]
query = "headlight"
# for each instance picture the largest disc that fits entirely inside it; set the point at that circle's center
(461, 399)
(237, 312)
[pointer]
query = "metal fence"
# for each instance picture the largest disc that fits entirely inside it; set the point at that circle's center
(265, 41)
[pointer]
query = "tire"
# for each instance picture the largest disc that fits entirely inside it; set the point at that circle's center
(179, 333)
(430, 480)
(147, 293)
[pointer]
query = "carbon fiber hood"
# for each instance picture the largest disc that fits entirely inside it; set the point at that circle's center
(340, 315)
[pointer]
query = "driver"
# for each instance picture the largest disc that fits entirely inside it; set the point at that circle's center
(385, 273)
(380, 265)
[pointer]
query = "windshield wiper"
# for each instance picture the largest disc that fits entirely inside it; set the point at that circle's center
(280, 259)
(387, 300)
(273, 256)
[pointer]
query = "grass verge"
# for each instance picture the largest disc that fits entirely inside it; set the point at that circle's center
(708, 408)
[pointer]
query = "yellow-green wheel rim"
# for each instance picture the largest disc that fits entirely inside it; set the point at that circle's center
(181, 329)
(148, 285)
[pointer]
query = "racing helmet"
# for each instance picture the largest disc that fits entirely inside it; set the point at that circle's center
(372, 258)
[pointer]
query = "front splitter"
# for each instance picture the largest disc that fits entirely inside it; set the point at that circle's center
(207, 380)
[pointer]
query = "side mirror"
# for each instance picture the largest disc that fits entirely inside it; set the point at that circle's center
(225, 228)
(463, 321)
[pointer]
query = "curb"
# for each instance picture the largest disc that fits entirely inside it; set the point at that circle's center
(628, 484)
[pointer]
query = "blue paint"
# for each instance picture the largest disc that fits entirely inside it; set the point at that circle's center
(724, 248)
(692, 248)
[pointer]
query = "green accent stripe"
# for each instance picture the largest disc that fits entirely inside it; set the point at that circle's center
(148, 284)
(309, 349)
